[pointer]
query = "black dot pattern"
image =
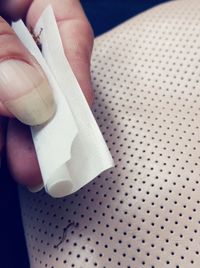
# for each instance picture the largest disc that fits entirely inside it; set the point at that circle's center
(145, 211)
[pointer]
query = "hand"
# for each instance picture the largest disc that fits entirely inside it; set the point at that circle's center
(21, 78)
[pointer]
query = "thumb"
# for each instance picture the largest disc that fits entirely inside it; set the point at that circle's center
(24, 89)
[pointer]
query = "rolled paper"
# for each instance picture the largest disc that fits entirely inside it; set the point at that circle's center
(70, 148)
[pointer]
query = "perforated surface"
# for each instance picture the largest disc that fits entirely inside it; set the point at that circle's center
(145, 211)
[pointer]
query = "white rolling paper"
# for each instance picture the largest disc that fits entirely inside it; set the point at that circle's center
(70, 148)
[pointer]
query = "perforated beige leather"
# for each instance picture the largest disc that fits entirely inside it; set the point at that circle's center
(146, 211)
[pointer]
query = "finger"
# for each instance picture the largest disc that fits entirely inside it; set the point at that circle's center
(14, 9)
(76, 35)
(83, 76)
(21, 155)
(4, 111)
(24, 89)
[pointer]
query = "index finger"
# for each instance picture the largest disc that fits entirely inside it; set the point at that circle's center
(76, 34)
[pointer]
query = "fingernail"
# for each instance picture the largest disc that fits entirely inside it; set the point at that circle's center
(36, 189)
(25, 92)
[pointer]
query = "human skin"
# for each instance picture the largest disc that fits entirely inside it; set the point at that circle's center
(77, 39)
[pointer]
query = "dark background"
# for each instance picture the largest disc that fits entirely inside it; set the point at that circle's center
(103, 15)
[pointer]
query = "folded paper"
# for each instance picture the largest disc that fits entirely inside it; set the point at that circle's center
(70, 148)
